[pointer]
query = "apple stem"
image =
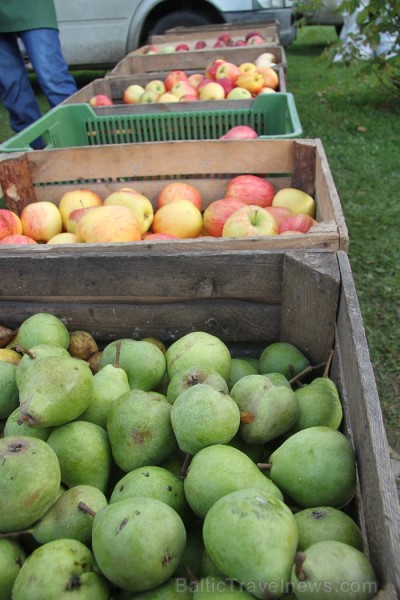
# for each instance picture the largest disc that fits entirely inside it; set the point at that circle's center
(185, 465)
(85, 508)
(298, 563)
(264, 466)
(305, 371)
(22, 350)
(328, 364)
(117, 354)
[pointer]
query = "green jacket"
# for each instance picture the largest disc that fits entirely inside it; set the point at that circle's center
(21, 15)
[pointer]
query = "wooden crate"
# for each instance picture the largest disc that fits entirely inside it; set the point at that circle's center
(269, 29)
(114, 88)
(208, 165)
(248, 299)
(139, 61)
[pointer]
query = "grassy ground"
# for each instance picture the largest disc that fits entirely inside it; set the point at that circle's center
(359, 125)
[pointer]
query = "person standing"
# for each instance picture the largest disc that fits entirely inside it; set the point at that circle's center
(34, 22)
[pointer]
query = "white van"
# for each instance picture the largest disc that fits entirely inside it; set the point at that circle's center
(99, 33)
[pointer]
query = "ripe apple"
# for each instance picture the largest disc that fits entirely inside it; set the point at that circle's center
(17, 239)
(200, 44)
(204, 82)
(41, 220)
(250, 220)
(266, 59)
(226, 38)
(239, 43)
(133, 93)
(239, 93)
(189, 98)
(291, 232)
(240, 132)
(79, 198)
(100, 100)
(108, 224)
(75, 215)
(271, 78)
(138, 204)
(168, 97)
(227, 84)
(212, 67)
(247, 67)
(182, 88)
(151, 49)
(279, 212)
(296, 200)
(212, 91)
(219, 44)
(255, 40)
(250, 34)
(227, 70)
(173, 77)
(299, 222)
(181, 47)
(155, 85)
(167, 49)
(10, 223)
(216, 214)
(159, 236)
(149, 97)
(252, 81)
(266, 90)
(63, 238)
(252, 189)
(180, 218)
(195, 78)
(177, 190)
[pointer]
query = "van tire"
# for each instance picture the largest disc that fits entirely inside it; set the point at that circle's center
(182, 18)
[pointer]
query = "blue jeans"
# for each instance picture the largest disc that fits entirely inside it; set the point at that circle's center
(44, 51)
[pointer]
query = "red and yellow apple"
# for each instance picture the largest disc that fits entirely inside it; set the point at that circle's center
(212, 67)
(168, 97)
(271, 78)
(299, 222)
(110, 223)
(212, 91)
(239, 93)
(252, 189)
(252, 81)
(100, 100)
(17, 239)
(296, 200)
(180, 218)
(149, 97)
(227, 70)
(247, 67)
(216, 214)
(75, 215)
(41, 220)
(195, 78)
(10, 223)
(155, 85)
(240, 132)
(179, 190)
(133, 93)
(173, 77)
(182, 88)
(63, 238)
(279, 212)
(139, 205)
(250, 220)
(74, 199)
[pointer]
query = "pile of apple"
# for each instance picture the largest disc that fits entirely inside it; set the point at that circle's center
(221, 80)
(224, 40)
(250, 207)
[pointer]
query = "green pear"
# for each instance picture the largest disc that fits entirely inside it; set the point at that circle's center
(71, 516)
(214, 587)
(202, 416)
(30, 480)
(327, 523)
(30, 358)
(201, 349)
(143, 362)
(152, 482)
(332, 568)
(140, 431)
(41, 328)
(109, 383)
(55, 390)
(282, 357)
(12, 557)
(315, 467)
(175, 588)
(15, 426)
(219, 470)
(188, 377)
(60, 569)
(319, 404)
(9, 395)
(251, 536)
(138, 542)
(267, 409)
(84, 453)
(239, 368)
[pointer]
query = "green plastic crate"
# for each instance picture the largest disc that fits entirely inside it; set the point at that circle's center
(72, 125)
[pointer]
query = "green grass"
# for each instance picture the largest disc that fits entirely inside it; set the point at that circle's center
(359, 125)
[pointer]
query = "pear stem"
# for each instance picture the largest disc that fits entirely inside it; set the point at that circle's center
(264, 466)
(185, 465)
(22, 350)
(298, 563)
(15, 534)
(85, 508)
(328, 364)
(305, 371)
(117, 354)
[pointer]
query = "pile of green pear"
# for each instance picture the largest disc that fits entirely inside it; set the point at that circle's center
(153, 471)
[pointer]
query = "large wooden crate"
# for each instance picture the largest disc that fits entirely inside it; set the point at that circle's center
(140, 61)
(208, 165)
(268, 29)
(248, 299)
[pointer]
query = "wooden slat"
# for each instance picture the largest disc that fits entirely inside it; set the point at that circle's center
(16, 182)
